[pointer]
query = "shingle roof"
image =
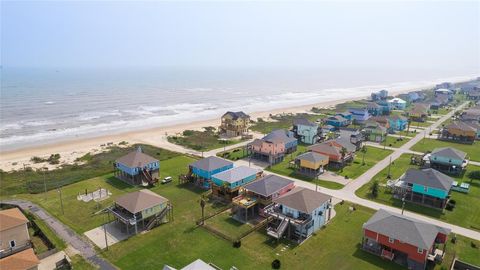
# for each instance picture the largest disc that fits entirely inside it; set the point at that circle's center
(11, 218)
(268, 185)
(236, 174)
(449, 152)
(136, 159)
(236, 115)
(210, 163)
(405, 229)
(303, 199)
(338, 118)
(22, 260)
(279, 135)
(460, 125)
(429, 178)
(140, 200)
(303, 122)
(345, 142)
(198, 265)
(312, 157)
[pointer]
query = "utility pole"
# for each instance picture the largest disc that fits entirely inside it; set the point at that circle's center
(403, 202)
(61, 201)
(105, 232)
(44, 182)
(389, 167)
(202, 205)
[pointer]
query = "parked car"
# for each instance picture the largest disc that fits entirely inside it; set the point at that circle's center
(166, 180)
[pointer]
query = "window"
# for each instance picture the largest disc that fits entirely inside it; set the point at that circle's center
(12, 243)
(391, 240)
(420, 250)
(425, 189)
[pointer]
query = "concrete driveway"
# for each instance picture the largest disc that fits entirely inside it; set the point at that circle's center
(114, 235)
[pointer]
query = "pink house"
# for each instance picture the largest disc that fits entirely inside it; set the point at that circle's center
(270, 151)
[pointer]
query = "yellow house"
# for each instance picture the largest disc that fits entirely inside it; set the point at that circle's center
(311, 164)
(13, 232)
(235, 124)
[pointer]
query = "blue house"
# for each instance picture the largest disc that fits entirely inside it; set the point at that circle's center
(298, 214)
(346, 115)
(374, 109)
(305, 130)
(201, 171)
(137, 168)
(398, 122)
(427, 187)
(227, 183)
(359, 115)
(448, 160)
(337, 121)
(384, 107)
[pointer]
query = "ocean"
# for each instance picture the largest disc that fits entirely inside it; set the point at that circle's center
(46, 105)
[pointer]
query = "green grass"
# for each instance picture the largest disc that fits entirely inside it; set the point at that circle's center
(414, 124)
(38, 244)
(467, 206)
(88, 166)
(472, 150)
(395, 141)
(372, 156)
(284, 168)
(226, 224)
(201, 140)
(234, 154)
(79, 263)
(281, 121)
(51, 235)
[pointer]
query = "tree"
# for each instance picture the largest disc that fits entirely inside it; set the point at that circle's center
(343, 152)
(374, 189)
(364, 151)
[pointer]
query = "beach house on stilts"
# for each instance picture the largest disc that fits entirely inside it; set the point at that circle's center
(137, 168)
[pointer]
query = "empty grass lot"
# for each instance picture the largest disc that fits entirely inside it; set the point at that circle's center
(281, 121)
(201, 140)
(464, 214)
(472, 150)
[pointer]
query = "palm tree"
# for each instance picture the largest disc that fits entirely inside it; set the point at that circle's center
(343, 152)
(364, 151)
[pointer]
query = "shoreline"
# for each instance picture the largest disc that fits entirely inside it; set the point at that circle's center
(70, 149)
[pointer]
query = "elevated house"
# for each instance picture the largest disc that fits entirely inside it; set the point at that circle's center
(137, 168)
(337, 121)
(259, 194)
(404, 240)
(338, 154)
(384, 107)
(383, 121)
(397, 103)
(427, 187)
(201, 171)
(419, 112)
(458, 131)
(305, 130)
(359, 115)
(13, 232)
(273, 147)
(443, 91)
(374, 132)
(476, 126)
(398, 122)
(140, 210)
(375, 109)
(298, 214)
(448, 160)
(310, 164)
(23, 260)
(354, 135)
(347, 115)
(226, 184)
(380, 95)
(472, 114)
(195, 265)
(474, 95)
(235, 124)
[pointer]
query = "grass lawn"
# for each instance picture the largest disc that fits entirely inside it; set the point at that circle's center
(464, 214)
(414, 124)
(281, 121)
(79, 263)
(472, 150)
(52, 236)
(408, 134)
(201, 140)
(38, 244)
(283, 168)
(234, 154)
(372, 156)
(395, 141)
(226, 224)
(441, 111)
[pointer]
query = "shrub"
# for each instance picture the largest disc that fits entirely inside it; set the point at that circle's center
(452, 201)
(374, 189)
(237, 244)
(37, 159)
(276, 264)
(474, 175)
(473, 245)
(188, 132)
(449, 207)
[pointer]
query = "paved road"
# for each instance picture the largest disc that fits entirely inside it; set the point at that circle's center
(68, 235)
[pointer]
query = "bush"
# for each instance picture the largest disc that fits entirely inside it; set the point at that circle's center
(37, 159)
(473, 245)
(276, 264)
(374, 189)
(453, 202)
(449, 207)
(237, 244)
(474, 175)
(188, 132)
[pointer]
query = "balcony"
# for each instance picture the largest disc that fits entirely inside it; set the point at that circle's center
(244, 201)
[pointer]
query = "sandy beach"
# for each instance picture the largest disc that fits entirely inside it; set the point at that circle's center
(69, 150)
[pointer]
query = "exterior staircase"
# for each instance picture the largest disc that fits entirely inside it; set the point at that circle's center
(157, 218)
(280, 230)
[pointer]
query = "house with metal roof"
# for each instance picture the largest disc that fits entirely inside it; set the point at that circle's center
(448, 160)
(305, 130)
(404, 240)
(13, 232)
(397, 103)
(359, 115)
(137, 168)
(374, 131)
(235, 124)
(338, 121)
(141, 210)
(226, 184)
(200, 172)
(298, 214)
(427, 187)
(310, 164)
(259, 194)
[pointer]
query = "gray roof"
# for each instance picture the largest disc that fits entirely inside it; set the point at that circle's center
(279, 135)
(136, 159)
(236, 174)
(303, 199)
(303, 122)
(338, 118)
(429, 178)
(460, 125)
(210, 163)
(345, 142)
(405, 229)
(195, 265)
(312, 157)
(140, 200)
(449, 152)
(268, 185)
(236, 115)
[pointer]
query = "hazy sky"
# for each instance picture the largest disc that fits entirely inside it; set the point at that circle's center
(234, 34)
